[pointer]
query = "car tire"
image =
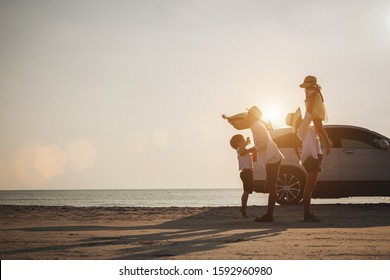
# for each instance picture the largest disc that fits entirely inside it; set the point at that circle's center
(290, 185)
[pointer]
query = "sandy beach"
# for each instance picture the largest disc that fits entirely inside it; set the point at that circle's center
(349, 231)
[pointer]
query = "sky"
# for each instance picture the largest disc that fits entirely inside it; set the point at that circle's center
(129, 94)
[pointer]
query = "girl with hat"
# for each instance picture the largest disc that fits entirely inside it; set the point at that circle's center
(316, 108)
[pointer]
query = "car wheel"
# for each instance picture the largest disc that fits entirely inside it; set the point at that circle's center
(290, 185)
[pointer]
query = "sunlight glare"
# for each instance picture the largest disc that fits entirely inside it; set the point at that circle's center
(25, 173)
(270, 113)
(50, 161)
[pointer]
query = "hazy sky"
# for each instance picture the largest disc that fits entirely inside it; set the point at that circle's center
(129, 94)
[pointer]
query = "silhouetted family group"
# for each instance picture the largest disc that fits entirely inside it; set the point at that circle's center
(266, 152)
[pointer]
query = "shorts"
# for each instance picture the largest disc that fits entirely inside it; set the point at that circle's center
(312, 164)
(246, 176)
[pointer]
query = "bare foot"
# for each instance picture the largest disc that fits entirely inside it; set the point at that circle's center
(264, 218)
(243, 212)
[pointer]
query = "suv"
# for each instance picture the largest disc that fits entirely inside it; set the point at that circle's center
(359, 165)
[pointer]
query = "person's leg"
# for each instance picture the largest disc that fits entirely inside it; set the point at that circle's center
(272, 171)
(312, 166)
(247, 182)
(311, 181)
(272, 177)
(244, 201)
(318, 126)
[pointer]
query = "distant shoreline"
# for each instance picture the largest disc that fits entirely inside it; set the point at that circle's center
(153, 198)
(125, 189)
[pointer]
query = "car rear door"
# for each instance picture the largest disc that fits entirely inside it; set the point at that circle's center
(331, 163)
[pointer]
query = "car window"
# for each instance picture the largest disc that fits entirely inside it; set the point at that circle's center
(357, 139)
(356, 144)
(290, 140)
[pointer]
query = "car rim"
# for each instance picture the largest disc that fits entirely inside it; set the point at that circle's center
(288, 187)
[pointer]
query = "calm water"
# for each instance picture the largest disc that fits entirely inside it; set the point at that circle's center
(151, 198)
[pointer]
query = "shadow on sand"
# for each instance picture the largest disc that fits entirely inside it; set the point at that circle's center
(209, 229)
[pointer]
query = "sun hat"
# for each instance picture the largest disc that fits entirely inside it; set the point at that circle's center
(238, 121)
(254, 110)
(292, 118)
(308, 82)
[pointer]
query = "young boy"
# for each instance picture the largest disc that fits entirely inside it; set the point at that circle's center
(245, 165)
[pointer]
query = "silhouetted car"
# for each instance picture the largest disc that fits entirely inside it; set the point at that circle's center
(359, 165)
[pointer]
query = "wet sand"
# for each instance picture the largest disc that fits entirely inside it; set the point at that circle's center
(348, 232)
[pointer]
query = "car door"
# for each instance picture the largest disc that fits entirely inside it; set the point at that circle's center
(360, 157)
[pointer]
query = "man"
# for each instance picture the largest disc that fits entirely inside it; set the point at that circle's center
(267, 154)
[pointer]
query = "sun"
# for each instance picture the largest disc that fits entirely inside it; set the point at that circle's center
(273, 114)
(270, 113)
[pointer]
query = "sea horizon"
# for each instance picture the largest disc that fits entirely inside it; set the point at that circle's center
(213, 197)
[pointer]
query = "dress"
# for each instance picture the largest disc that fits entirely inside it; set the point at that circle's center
(318, 109)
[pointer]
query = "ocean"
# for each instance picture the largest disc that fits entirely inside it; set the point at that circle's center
(124, 198)
(151, 198)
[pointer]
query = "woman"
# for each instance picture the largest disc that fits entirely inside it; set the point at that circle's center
(310, 157)
(316, 108)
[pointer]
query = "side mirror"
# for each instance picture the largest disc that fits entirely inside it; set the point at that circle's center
(384, 144)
